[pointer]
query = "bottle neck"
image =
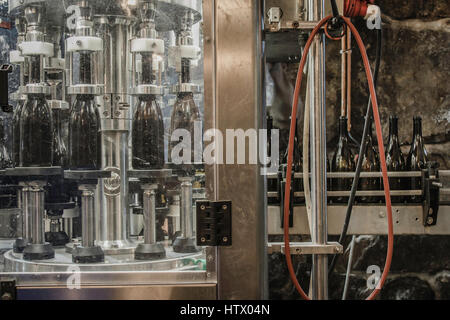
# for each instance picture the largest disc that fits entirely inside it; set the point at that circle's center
(417, 127)
(343, 133)
(393, 128)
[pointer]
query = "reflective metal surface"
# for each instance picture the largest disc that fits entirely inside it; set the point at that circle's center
(233, 86)
(368, 219)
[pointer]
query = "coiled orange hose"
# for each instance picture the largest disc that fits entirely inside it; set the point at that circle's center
(379, 132)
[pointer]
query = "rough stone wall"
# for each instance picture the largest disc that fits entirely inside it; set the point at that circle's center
(413, 81)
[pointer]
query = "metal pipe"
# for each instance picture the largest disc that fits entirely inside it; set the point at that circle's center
(319, 273)
(26, 218)
(150, 214)
(187, 217)
(87, 215)
(37, 198)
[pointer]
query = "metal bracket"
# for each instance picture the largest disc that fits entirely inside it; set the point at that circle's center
(214, 223)
(8, 289)
(431, 191)
(304, 248)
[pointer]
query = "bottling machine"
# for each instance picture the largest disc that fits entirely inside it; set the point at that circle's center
(102, 204)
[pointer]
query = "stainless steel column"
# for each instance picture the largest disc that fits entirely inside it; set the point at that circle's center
(150, 249)
(112, 228)
(37, 208)
(149, 200)
(185, 243)
(187, 212)
(87, 215)
(318, 155)
(26, 218)
(37, 249)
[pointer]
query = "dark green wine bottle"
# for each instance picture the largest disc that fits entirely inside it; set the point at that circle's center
(84, 134)
(343, 161)
(148, 134)
(371, 163)
(394, 159)
(36, 127)
(417, 158)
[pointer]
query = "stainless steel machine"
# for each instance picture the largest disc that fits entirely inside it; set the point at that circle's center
(133, 221)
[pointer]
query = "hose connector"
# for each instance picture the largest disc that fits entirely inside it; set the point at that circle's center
(357, 8)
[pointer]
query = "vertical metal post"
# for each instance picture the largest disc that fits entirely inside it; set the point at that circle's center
(150, 249)
(87, 215)
(318, 156)
(37, 213)
(187, 218)
(26, 218)
(150, 214)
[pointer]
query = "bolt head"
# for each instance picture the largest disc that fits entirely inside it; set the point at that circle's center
(430, 220)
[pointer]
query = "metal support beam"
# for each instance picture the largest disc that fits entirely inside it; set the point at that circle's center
(233, 100)
(318, 156)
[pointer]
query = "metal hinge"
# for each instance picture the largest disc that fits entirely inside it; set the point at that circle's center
(8, 289)
(214, 223)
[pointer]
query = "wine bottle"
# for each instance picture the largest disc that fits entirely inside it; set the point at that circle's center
(184, 115)
(394, 159)
(84, 134)
(417, 158)
(371, 163)
(16, 132)
(36, 131)
(342, 162)
(59, 147)
(148, 134)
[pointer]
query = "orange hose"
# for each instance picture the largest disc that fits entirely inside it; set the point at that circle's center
(381, 151)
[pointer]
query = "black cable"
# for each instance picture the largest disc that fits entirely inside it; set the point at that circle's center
(362, 151)
(335, 9)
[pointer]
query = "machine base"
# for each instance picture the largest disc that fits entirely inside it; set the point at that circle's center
(88, 255)
(20, 245)
(153, 251)
(185, 245)
(38, 252)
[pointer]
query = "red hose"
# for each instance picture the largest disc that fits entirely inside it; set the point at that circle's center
(380, 147)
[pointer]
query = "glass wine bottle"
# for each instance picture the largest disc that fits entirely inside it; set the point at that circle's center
(394, 158)
(59, 146)
(342, 162)
(371, 163)
(36, 127)
(16, 132)
(184, 115)
(84, 134)
(417, 158)
(148, 134)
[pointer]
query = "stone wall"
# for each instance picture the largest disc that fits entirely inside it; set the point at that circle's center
(413, 81)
